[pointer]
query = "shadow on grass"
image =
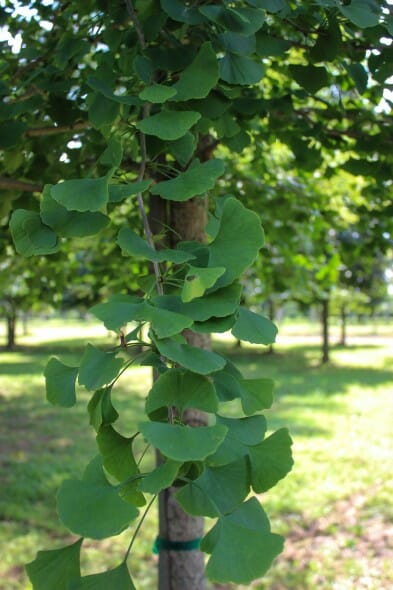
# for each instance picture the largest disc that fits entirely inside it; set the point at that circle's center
(297, 372)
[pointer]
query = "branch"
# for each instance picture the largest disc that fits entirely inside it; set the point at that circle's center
(138, 29)
(44, 131)
(19, 185)
(142, 143)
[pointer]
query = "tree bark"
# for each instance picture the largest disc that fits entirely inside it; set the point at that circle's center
(325, 331)
(272, 314)
(183, 570)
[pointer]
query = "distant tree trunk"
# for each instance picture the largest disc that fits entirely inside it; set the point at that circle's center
(11, 331)
(343, 317)
(272, 315)
(325, 331)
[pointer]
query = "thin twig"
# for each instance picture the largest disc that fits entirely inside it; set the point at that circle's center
(142, 143)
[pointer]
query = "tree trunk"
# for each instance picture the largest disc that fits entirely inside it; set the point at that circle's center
(343, 316)
(325, 331)
(181, 569)
(11, 331)
(272, 314)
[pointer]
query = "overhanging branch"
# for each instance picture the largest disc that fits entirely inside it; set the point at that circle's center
(42, 131)
(19, 185)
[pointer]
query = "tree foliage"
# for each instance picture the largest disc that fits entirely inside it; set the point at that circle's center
(108, 103)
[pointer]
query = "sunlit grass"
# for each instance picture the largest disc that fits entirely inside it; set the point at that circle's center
(339, 415)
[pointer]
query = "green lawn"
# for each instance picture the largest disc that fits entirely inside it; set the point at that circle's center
(335, 508)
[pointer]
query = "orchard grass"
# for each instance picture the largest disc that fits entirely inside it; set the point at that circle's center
(335, 508)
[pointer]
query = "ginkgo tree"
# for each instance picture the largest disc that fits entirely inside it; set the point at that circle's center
(113, 108)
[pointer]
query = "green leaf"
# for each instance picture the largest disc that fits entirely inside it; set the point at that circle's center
(196, 181)
(160, 478)
(182, 389)
(363, 13)
(237, 243)
(106, 90)
(166, 323)
(183, 149)
(195, 359)
(168, 124)
(241, 435)
(359, 76)
(328, 42)
(101, 410)
(134, 245)
(85, 194)
(31, 237)
(55, 569)
(98, 368)
(116, 453)
(235, 43)
(60, 383)
(11, 133)
(113, 153)
(241, 545)
(270, 46)
(272, 6)
(118, 578)
(119, 192)
(181, 13)
(214, 325)
(220, 303)
(197, 280)
(121, 309)
(240, 70)
(198, 79)
(92, 507)
(118, 311)
(183, 443)
(311, 78)
(158, 93)
(271, 460)
(102, 111)
(71, 224)
(254, 328)
(256, 394)
(227, 383)
(118, 460)
(227, 17)
(204, 496)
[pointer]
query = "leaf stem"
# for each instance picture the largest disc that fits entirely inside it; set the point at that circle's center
(139, 527)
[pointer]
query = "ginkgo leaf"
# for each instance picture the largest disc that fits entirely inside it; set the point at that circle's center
(168, 124)
(200, 77)
(92, 507)
(31, 236)
(195, 181)
(254, 328)
(183, 443)
(271, 460)
(60, 383)
(241, 545)
(56, 568)
(118, 578)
